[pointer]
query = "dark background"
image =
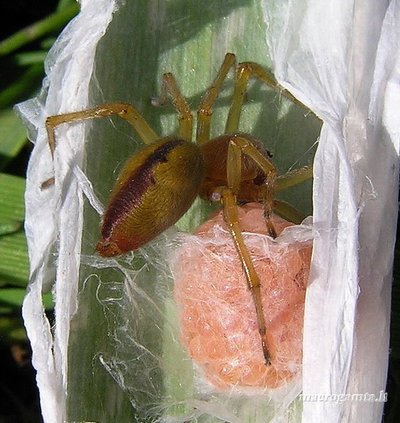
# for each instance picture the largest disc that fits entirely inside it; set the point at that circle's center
(19, 401)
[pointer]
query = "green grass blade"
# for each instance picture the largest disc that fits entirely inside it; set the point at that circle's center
(51, 23)
(11, 329)
(12, 136)
(30, 57)
(26, 83)
(14, 267)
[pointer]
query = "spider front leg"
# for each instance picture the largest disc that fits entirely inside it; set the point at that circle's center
(204, 112)
(170, 88)
(244, 72)
(240, 145)
(231, 218)
(123, 110)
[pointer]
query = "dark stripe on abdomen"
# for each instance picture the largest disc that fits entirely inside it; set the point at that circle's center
(131, 193)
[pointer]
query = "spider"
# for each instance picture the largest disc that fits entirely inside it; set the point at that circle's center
(158, 184)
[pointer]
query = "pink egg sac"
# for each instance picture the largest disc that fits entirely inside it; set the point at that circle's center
(217, 314)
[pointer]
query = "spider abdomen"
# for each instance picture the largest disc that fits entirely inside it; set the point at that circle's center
(155, 188)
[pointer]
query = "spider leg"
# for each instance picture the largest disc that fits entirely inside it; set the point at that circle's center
(170, 88)
(238, 145)
(293, 177)
(204, 112)
(244, 72)
(287, 180)
(232, 220)
(123, 110)
(288, 212)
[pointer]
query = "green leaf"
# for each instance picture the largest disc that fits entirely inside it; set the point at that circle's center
(12, 298)
(12, 198)
(11, 328)
(30, 57)
(10, 227)
(12, 136)
(54, 22)
(24, 85)
(14, 268)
